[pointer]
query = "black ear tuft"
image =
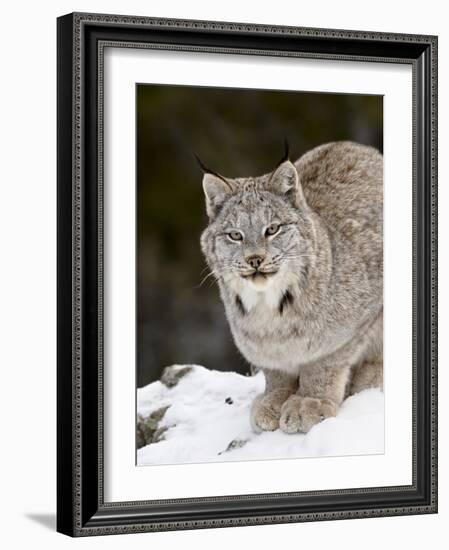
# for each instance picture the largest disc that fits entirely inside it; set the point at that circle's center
(200, 163)
(286, 152)
(203, 167)
(286, 149)
(207, 170)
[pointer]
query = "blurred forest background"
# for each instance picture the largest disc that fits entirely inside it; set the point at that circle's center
(236, 133)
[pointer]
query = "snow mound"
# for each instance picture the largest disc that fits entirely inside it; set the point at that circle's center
(207, 420)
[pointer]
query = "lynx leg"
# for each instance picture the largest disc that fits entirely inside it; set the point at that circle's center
(266, 407)
(320, 394)
(368, 371)
(367, 375)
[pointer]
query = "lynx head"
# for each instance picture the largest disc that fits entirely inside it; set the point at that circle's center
(257, 235)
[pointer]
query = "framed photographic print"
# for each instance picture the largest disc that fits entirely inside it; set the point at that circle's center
(247, 247)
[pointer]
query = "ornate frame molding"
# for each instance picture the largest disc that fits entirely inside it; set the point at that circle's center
(81, 41)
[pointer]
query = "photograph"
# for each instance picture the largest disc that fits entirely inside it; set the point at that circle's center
(259, 274)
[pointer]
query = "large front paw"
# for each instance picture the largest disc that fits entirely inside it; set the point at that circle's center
(266, 410)
(300, 414)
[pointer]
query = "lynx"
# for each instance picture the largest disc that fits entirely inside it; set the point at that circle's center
(298, 257)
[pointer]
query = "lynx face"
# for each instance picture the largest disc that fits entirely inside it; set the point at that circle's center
(255, 238)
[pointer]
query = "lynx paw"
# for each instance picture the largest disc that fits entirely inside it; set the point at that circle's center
(300, 414)
(266, 410)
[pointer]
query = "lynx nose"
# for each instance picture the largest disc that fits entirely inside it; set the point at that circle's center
(255, 261)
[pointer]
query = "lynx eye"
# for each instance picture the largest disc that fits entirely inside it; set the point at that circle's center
(235, 236)
(272, 229)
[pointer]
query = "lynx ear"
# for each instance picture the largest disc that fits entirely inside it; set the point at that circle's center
(217, 190)
(285, 181)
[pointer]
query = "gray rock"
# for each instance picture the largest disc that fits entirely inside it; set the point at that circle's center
(148, 427)
(172, 375)
(235, 444)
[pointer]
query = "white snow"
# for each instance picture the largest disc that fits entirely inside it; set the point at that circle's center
(201, 424)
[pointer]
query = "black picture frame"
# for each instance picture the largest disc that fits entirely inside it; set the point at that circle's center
(81, 509)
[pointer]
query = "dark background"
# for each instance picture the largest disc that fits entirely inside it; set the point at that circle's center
(234, 132)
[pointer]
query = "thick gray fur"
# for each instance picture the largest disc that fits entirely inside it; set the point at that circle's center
(311, 317)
